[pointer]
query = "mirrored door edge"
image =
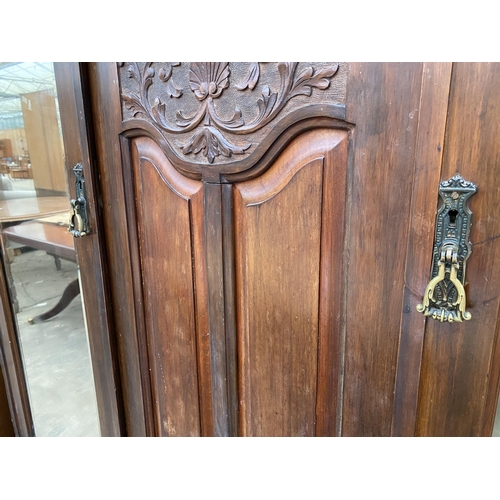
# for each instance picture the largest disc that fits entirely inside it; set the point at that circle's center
(77, 131)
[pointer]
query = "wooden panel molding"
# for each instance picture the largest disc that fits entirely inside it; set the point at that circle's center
(295, 99)
(289, 238)
(169, 214)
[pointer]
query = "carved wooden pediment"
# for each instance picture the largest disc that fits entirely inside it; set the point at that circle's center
(222, 117)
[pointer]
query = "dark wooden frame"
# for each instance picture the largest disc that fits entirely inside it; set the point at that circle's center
(11, 361)
(78, 140)
(6, 419)
(107, 120)
(78, 134)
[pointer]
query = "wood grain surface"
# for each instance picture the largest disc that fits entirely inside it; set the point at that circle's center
(164, 211)
(383, 102)
(457, 386)
(279, 260)
(426, 177)
(213, 232)
(106, 112)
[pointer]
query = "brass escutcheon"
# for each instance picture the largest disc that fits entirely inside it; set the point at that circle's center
(444, 297)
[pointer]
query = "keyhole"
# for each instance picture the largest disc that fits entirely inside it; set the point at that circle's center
(452, 214)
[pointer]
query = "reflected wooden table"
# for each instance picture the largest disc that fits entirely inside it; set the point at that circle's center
(56, 241)
(22, 209)
(15, 211)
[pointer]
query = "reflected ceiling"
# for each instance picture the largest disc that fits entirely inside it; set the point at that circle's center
(17, 78)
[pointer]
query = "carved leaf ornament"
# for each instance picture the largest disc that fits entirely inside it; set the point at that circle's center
(207, 81)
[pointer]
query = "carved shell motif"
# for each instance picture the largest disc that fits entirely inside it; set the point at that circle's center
(208, 79)
(213, 134)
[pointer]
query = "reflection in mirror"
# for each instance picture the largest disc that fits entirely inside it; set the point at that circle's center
(40, 259)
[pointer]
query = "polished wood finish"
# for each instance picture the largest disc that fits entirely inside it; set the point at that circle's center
(141, 354)
(459, 381)
(364, 378)
(285, 252)
(21, 209)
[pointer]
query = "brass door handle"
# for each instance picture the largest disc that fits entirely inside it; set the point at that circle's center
(79, 219)
(444, 297)
(76, 225)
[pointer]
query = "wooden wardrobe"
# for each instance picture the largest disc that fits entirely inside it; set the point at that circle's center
(270, 230)
(267, 233)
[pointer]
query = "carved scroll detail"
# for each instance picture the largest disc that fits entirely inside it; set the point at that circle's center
(251, 78)
(208, 81)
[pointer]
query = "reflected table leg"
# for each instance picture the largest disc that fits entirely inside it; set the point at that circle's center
(70, 292)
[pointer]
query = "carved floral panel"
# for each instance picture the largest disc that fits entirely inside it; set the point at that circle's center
(218, 113)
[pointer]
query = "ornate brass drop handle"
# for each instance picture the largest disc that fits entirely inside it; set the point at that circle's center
(444, 297)
(76, 225)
